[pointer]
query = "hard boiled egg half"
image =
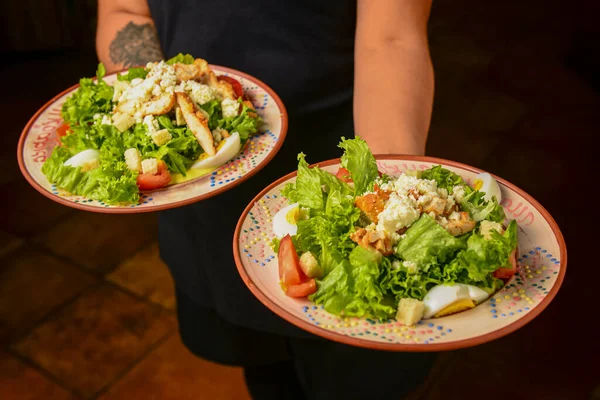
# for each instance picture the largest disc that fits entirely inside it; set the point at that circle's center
(86, 159)
(284, 222)
(487, 184)
(226, 150)
(444, 300)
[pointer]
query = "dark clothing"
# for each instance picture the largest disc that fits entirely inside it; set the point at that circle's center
(281, 368)
(302, 49)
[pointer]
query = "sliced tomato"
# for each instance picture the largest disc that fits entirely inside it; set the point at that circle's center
(149, 181)
(506, 273)
(302, 290)
(237, 87)
(343, 175)
(289, 265)
(63, 129)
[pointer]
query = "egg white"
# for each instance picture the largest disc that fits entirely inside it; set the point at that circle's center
(227, 149)
(83, 157)
(284, 222)
(442, 296)
(487, 184)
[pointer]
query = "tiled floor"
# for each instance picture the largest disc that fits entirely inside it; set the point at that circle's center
(87, 308)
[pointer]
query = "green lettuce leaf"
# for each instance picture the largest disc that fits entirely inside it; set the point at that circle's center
(244, 124)
(480, 210)
(181, 59)
(89, 99)
(444, 178)
(482, 257)
(111, 182)
(427, 243)
(132, 73)
(361, 164)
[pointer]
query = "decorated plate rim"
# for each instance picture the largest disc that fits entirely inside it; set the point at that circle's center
(160, 207)
(402, 347)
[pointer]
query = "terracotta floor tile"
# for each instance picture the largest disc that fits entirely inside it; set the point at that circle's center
(31, 284)
(96, 338)
(8, 243)
(18, 381)
(30, 212)
(98, 241)
(172, 372)
(146, 275)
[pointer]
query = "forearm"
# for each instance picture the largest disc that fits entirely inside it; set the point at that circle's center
(126, 36)
(393, 97)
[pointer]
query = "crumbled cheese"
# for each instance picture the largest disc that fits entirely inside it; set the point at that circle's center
(230, 108)
(150, 166)
(424, 200)
(399, 212)
(454, 216)
(443, 193)
(163, 74)
(106, 120)
(427, 186)
(161, 137)
(411, 266)
(396, 264)
(459, 193)
(133, 159)
(218, 134)
(198, 92)
(151, 123)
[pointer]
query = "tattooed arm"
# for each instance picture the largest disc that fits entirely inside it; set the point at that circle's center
(126, 36)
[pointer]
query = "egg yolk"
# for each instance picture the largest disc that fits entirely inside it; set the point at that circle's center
(457, 306)
(477, 184)
(293, 215)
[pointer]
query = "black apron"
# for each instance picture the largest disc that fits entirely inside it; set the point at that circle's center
(302, 49)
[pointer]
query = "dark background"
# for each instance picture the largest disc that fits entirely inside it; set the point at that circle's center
(516, 94)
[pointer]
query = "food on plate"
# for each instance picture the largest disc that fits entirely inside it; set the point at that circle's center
(424, 244)
(150, 129)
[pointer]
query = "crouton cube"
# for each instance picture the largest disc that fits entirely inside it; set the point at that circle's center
(150, 166)
(161, 137)
(123, 121)
(179, 120)
(133, 159)
(410, 311)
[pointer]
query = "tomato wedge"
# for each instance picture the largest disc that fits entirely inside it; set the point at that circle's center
(343, 175)
(289, 265)
(149, 181)
(63, 129)
(506, 273)
(237, 87)
(302, 290)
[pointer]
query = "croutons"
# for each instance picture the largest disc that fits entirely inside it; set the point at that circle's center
(150, 166)
(310, 265)
(120, 87)
(122, 121)
(410, 311)
(179, 120)
(133, 159)
(161, 137)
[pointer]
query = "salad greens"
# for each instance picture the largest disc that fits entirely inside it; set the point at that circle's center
(362, 282)
(90, 114)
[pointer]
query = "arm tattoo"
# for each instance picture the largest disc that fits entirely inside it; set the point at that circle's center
(135, 45)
